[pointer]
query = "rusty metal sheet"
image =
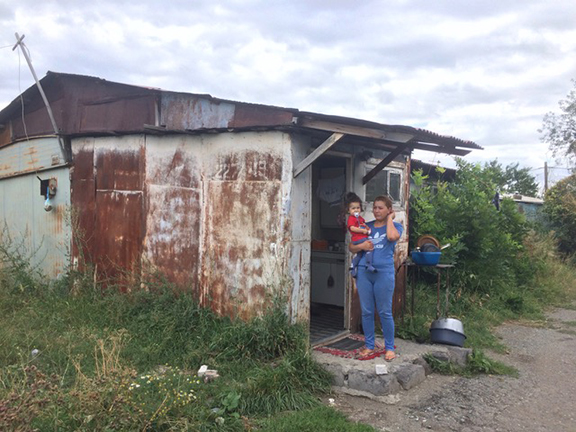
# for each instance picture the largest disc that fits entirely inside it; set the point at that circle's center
(30, 156)
(118, 229)
(240, 261)
(173, 210)
(119, 163)
(174, 161)
(83, 192)
(172, 243)
(112, 116)
(248, 115)
(5, 134)
(190, 112)
(108, 197)
(37, 123)
(250, 165)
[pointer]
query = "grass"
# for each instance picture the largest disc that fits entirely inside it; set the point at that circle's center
(71, 352)
(480, 312)
(478, 363)
(87, 359)
(551, 286)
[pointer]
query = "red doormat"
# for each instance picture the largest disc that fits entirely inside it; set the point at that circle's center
(349, 347)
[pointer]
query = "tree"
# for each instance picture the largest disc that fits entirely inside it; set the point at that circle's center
(559, 130)
(511, 179)
(560, 206)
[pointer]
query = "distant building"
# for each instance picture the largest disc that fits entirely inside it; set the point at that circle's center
(529, 206)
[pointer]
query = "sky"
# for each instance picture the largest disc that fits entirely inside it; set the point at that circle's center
(480, 70)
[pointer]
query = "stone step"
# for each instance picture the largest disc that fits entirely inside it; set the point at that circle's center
(407, 370)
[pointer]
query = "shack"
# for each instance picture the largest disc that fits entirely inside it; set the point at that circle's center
(235, 202)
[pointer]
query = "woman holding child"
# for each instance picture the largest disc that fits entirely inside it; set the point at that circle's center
(375, 283)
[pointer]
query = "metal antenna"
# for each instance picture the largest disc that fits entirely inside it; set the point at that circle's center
(24, 49)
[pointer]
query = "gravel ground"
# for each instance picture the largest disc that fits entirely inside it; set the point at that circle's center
(543, 398)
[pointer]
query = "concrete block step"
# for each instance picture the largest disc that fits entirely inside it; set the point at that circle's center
(378, 379)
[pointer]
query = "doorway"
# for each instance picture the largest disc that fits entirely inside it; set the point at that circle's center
(328, 269)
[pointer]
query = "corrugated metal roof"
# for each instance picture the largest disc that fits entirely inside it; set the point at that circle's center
(90, 105)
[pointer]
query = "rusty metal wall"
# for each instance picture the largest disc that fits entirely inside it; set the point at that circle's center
(181, 111)
(244, 239)
(107, 195)
(173, 207)
(212, 212)
(298, 208)
(43, 237)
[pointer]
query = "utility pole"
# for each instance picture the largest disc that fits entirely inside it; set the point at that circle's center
(545, 176)
(24, 50)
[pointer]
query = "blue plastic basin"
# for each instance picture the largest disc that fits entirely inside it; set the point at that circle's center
(426, 258)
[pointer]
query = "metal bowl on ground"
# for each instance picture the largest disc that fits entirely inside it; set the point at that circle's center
(426, 258)
(447, 331)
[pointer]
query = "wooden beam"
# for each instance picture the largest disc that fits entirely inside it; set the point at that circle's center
(319, 151)
(440, 149)
(384, 162)
(354, 130)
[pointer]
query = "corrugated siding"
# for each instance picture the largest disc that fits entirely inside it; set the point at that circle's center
(30, 156)
(43, 236)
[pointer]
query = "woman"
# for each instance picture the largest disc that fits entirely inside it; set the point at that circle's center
(376, 289)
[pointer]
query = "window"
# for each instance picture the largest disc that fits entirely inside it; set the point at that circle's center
(387, 182)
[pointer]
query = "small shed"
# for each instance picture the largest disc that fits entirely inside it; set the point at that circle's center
(235, 202)
(531, 207)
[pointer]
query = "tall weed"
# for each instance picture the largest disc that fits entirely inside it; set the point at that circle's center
(127, 361)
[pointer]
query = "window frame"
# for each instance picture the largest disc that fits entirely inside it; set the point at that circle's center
(389, 170)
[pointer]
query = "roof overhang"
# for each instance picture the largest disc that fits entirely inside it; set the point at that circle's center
(392, 138)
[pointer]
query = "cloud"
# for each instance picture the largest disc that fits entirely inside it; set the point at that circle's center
(485, 71)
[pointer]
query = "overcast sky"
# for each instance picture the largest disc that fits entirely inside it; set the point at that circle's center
(481, 70)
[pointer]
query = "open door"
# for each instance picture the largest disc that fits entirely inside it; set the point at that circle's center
(329, 302)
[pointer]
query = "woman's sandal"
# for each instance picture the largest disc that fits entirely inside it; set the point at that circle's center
(389, 356)
(367, 354)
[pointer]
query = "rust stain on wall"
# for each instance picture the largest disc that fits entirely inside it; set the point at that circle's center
(119, 170)
(173, 233)
(241, 218)
(83, 192)
(118, 225)
(107, 195)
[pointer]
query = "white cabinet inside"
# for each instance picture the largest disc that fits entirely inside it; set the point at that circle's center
(328, 279)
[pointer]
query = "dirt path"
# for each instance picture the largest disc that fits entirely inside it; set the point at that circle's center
(543, 398)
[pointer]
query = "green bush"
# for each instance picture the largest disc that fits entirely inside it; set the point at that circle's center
(486, 244)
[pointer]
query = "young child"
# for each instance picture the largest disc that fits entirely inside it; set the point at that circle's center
(358, 229)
